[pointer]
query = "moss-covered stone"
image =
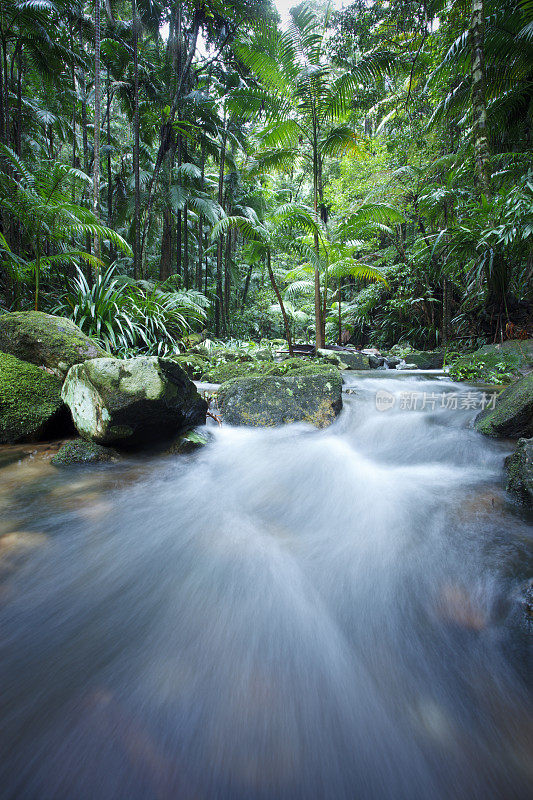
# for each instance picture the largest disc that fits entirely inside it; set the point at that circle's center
(343, 359)
(82, 452)
(189, 442)
(43, 339)
(30, 401)
(221, 373)
(513, 413)
(133, 401)
(519, 468)
(521, 349)
(270, 401)
(426, 359)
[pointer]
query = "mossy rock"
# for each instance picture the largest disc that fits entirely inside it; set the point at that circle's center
(521, 349)
(132, 402)
(343, 359)
(513, 412)
(189, 442)
(46, 340)
(426, 359)
(519, 468)
(221, 373)
(82, 452)
(30, 402)
(193, 364)
(270, 401)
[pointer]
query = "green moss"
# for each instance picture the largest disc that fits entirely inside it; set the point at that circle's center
(222, 373)
(272, 400)
(83, 452)
(194, 364)
(30, 400)
(490, 366)
(513, 413)
(44, 339)
(519, 467)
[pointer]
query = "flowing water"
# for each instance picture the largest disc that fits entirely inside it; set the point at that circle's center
(287, 613)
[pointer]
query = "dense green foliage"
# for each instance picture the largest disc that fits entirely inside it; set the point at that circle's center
(177, 167)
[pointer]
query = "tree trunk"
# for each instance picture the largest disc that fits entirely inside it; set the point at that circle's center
(165, 264)
(319, 338)
(219, 302)
(97, 119)
(281, 304)
(137, 254)
(479, 105)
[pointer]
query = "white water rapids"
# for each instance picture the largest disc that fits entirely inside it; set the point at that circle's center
(287, 614)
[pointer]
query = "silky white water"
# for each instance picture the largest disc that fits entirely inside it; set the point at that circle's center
(287, 613)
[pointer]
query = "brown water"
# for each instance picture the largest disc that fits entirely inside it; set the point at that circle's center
(287, 614)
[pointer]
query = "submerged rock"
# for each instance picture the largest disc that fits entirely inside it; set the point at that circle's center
(83, 452)
(30, 402)
(270, 401)
(44, 339)
(132, 402)
(513, 413)
(519, 468)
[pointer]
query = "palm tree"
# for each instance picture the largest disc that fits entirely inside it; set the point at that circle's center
(136, 173)
(97, 118)
(305, 98)
(288, 216)
(40, 202)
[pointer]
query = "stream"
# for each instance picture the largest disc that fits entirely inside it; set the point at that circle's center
(286, 613)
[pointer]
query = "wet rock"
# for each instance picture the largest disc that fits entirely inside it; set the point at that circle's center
(47, 340)
(132, 402)
(513, 413)
(519, 467)
(345, 359)
(83, 452)
(189, 442)
(270, 401)
(376, 361)
(30, 402)
(392, 362)
(426, 359)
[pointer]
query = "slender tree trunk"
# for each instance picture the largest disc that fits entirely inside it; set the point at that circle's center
(165, 263)
(97, 121)
(246, 286)
(227, 278)
(319, 339)
(479, 105)
(219, 303)
(137, 253)
(281, 304)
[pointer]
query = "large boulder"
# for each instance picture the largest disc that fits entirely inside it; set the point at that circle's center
(519, 468)
(344, 359)
(520, 349)
(30, 402)
(270, 401)
(512, 414)
(132, 402)
(46, 340)
(426, 359)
